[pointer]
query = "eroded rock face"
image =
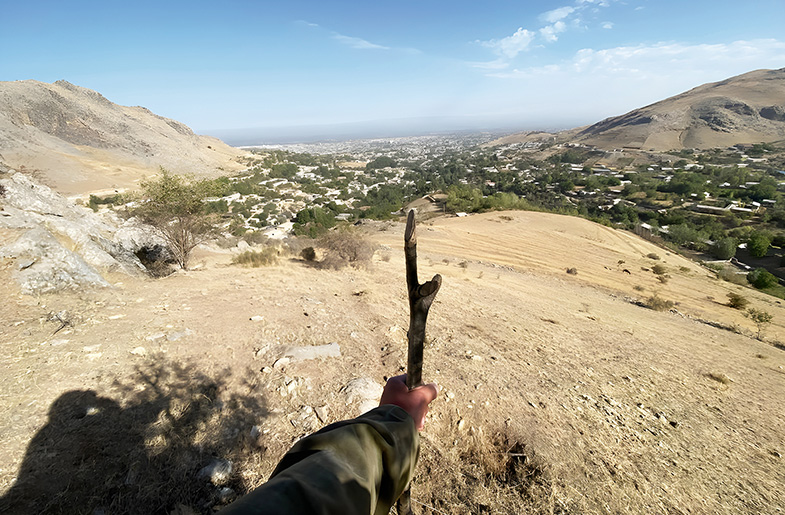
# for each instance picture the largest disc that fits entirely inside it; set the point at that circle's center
(62, 245)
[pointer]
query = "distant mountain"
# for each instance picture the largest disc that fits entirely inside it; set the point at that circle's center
(77, 141)
(748, 108)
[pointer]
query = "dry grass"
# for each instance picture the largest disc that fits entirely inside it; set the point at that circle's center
(256, 258)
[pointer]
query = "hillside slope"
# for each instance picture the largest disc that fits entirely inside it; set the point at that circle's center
(748, 108)
(559, 393)
(78, 141)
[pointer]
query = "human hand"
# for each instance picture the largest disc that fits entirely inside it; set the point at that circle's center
(415, 401)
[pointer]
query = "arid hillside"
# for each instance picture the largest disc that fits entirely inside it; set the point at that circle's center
(560, 393)
(77, 141)
(748, 108)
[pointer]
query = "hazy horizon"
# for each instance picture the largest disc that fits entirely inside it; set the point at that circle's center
(369, 129)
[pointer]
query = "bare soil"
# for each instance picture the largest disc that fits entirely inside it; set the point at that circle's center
(559, 393)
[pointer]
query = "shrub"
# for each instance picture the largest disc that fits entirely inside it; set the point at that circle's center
(572, 271)
(308, 254)
(251, 258)
(736, 301)
(657, 303)
(255, 237)
(346, 246)
(760, 318)
(758, 243)
(724, 248)
(732, 276)
(638, 287)
(659, 269)
(663, 278)
(653, 256)
(761, 278)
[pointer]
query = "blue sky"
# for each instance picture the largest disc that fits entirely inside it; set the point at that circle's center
(536, 64)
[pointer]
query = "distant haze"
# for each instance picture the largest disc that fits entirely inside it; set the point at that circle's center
(370, 129)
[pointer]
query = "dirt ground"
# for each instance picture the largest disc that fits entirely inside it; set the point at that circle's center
(559, 394)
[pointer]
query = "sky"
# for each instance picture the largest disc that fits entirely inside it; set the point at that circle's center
(294, 66)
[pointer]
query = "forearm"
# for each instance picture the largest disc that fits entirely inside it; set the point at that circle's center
(359, 466)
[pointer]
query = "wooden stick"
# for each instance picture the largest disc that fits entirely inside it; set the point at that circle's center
(420, 299)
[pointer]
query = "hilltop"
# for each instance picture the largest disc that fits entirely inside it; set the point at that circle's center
(77, 141)
(745, 109)
(560, 393)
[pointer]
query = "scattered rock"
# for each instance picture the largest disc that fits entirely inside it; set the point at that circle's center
(295, 354)
(461, 425)
(179, 335)
(257, 318)
(364, 391)
(139, 351)
(281, 362)
(322, 413)
(217, 472)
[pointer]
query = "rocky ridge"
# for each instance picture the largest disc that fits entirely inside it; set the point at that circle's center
(53, 244)
(78, 141)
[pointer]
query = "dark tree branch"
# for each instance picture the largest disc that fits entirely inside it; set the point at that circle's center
(420, 299)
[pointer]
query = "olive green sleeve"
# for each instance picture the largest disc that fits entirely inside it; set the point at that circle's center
(354, 467)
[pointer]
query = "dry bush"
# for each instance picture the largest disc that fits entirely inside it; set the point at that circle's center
(659, 269)
(572, 271)
(638, 287)
(308, 254)
(255, 238)
(474, 471)
(227, 242)
(653, 256)
(730, 275)
(254, 259)
(663, 278)
(346, 246)
(737, 301)
(657, 303)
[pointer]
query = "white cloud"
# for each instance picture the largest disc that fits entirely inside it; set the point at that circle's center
(497, 64)
(607, 25)
(358, 43)
(549, 32)
(671, 58)
(511, 46)
(557, 14)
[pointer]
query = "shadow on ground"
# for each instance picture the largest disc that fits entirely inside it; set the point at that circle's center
(140, 454)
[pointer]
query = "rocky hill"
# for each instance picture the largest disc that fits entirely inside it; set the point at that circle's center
(78, 141)
(748, 108)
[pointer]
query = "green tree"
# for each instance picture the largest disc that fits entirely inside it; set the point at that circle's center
(175, 207)
(758, 243)
(762, 278)
(313, 221)
(380, 162)
(724, 248)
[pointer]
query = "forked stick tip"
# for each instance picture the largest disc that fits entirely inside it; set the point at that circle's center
(409, 226)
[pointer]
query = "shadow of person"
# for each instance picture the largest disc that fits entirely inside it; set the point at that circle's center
(95, 456)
